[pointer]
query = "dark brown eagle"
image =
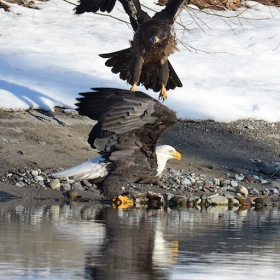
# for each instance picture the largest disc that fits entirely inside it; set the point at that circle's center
(146, 61)
(127, 129)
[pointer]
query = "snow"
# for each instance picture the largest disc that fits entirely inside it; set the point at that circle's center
(229, 65)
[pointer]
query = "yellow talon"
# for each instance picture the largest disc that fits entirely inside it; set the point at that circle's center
(122, 202)
(163, 93)
(133, 88)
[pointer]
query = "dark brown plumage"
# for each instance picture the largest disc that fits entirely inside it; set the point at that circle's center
(146, 61)
(128, 127)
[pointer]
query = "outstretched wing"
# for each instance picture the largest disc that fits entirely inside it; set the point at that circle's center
(132, 8)
(171, 10)
(128, 127)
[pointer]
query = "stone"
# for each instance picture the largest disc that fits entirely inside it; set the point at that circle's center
(263, 181)
(217, 200)
(55, 184)
(233, 183)
(243, 190)
(20, 184)
(167, 196)
(186, 182)
(38, 178)
(77, 186)
(217, 181)
(269, 170)
(251, 178)
(66, 187)
(34, 172)
(274, 190)
(239, 177)
(244, 202)
(261, 202)
(174, 172)
(178, 201)
(233, 201)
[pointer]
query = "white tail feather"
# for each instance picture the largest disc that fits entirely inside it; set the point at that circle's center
(91, 169)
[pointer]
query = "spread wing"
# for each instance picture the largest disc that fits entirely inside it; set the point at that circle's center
(128, 127)
(132, 8)
(171, 10)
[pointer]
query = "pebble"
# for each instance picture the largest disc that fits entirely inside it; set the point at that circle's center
(77, 186)
(234, 183)
(242, 190)
(186, 182)
(194, 189)
(269, 170)
(38, 178)
(239, 177)
(20, 184)
(66, 187)
(218, 200)
(55, 184)
(34, 172)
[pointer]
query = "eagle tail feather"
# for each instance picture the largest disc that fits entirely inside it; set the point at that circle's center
(121, 61)
(91, 169)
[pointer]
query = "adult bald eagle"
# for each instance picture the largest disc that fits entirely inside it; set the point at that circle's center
(146, 61)
(128, 127)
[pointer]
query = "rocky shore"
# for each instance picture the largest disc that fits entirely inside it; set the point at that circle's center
(174, 189)
(235, 164)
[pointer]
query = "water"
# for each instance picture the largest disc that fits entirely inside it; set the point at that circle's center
(86, 241)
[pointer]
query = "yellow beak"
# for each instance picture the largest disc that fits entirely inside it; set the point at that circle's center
(176, 155)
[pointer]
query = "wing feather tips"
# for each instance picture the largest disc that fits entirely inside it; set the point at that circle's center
(95, 5)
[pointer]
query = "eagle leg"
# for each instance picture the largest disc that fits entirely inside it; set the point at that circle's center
(122, 202)
(163, 93)
(133, 88)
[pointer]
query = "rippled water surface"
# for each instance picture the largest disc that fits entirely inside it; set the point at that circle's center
(86, 241)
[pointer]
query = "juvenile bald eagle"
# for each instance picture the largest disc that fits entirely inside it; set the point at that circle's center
(146, 61)
(128, 127)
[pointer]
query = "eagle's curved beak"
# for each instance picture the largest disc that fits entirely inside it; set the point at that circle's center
(176, 155)
(154, 39)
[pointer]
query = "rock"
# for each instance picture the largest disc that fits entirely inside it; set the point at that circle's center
(66, 187)
(261, 202)
(55, 184)
(274, 190)
(244, 202)
(20, 184)
(269, 170)
(41, 183)
(186, 182)
(77, 186)
(38, 178)
(254, 192)
(34, 172)
(196, 200)
(239, 177)
(217, 200)
(263, 181)
(233, 201)
(178, 201)
(251, 178)
(167, 196)
(233, 183)
(174, 172)
(217, 181)
(242, 190)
